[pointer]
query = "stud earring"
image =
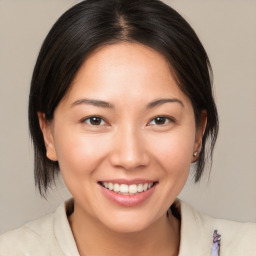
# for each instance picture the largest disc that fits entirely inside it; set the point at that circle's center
(195, 154)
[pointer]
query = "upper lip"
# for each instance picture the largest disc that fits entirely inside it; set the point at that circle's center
(128, 182)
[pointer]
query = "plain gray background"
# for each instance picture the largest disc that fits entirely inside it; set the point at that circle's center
(228, 31)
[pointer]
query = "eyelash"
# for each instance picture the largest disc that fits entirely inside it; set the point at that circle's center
(166, 118)
(89, 120)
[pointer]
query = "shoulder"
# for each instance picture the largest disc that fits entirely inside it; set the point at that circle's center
(50, 235)
(30, 238)
(198, 228)
(236, 238)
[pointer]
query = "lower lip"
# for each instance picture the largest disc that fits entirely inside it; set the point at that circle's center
(128, 200)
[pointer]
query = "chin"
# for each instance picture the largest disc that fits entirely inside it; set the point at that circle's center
(128, 222)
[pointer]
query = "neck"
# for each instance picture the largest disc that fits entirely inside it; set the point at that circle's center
(94, 238)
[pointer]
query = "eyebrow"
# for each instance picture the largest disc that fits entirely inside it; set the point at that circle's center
(104, 104)
(97, 103)
(163, 101)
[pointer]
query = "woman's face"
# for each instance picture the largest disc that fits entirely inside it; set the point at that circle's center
(124, 137)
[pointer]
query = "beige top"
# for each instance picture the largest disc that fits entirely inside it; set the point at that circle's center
(52, 235)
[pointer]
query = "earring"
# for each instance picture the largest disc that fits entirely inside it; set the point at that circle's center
(195, 154)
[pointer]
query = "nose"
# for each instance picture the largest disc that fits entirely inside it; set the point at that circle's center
(129, 150)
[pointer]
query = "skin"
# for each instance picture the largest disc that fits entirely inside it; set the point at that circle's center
(127, 143)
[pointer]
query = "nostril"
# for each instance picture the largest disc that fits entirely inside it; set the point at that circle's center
(129, 160)
(129, 150)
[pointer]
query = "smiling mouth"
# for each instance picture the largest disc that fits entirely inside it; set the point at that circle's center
(125, 189)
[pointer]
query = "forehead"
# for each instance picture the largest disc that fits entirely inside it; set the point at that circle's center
(124, 70)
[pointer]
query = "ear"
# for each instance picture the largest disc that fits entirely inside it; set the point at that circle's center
(199, 135)
(48, 136)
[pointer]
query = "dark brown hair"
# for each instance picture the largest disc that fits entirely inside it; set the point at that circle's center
(94, 23)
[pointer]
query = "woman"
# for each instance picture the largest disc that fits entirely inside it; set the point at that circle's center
(121, 104)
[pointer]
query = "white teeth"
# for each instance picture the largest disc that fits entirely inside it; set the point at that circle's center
(133, 189)
(140, 188)
(110, 186)
(127, 189)
(116, 187)
(123, 188)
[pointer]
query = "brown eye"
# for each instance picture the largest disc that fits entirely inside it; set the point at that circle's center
(160, 120)
(94, 120)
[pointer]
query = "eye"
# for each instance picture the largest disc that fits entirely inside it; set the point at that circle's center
(94, 120)
(160, 120)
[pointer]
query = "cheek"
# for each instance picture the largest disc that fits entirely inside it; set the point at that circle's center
(78, 154)
(173, 150)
